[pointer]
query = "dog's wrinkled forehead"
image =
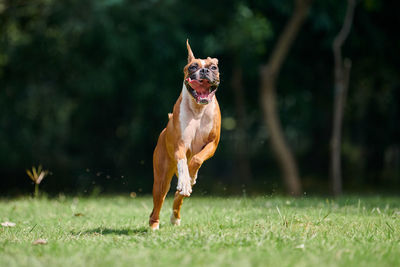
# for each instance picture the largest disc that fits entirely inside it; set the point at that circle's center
(203, 63)
(198, 63)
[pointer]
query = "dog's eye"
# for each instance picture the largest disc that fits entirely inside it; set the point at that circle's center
(213, 67)
(193, 67)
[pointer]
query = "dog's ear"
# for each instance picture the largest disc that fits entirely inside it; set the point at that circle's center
(190, 53)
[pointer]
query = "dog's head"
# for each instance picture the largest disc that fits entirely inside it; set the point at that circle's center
(201, 77)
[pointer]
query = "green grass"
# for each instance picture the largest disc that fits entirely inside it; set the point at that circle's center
(262, 231)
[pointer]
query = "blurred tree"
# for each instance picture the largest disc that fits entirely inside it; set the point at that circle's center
(342, 76)
(269, 74)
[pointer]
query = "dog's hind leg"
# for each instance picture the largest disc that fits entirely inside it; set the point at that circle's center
(161, 187)
(176, 209)
(163, 172)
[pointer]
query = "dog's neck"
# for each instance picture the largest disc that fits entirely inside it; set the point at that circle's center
(190, 103)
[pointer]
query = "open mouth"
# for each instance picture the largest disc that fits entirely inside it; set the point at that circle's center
(202, 90)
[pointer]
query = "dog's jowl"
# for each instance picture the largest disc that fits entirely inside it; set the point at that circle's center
(191, 136)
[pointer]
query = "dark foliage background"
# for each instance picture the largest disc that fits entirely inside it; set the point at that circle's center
(85, 88)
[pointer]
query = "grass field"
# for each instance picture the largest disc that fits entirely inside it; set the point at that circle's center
(262, 231)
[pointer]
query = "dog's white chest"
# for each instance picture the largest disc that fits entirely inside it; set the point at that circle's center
(195, 126)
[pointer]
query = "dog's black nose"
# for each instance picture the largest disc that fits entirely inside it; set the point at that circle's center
(204, 71)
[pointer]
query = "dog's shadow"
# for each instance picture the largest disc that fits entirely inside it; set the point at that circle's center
(111, 231)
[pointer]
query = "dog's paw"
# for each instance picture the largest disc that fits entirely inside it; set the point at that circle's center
(193, 180)
(155, 226)
(184, 187)
(175, 221)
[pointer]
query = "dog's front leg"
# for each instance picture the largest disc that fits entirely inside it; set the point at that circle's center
(197, 160)
(184, 185)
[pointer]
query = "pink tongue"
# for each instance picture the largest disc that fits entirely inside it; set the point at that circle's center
(200, 86)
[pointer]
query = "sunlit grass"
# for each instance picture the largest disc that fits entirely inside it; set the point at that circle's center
(112, 231)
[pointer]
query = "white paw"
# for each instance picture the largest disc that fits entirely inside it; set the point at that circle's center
(184, 187)
(155, 227)
(175, 221)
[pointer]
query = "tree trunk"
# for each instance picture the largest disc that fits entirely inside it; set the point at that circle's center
(241, 139)
(269, 74)
(342, 74)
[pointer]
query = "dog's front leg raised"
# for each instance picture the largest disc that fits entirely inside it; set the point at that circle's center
(194, 165)
(184, 185)
(197, 160)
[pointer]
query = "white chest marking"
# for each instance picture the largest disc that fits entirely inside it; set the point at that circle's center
(196, 123)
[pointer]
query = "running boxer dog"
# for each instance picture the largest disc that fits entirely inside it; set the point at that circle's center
(191, 136)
